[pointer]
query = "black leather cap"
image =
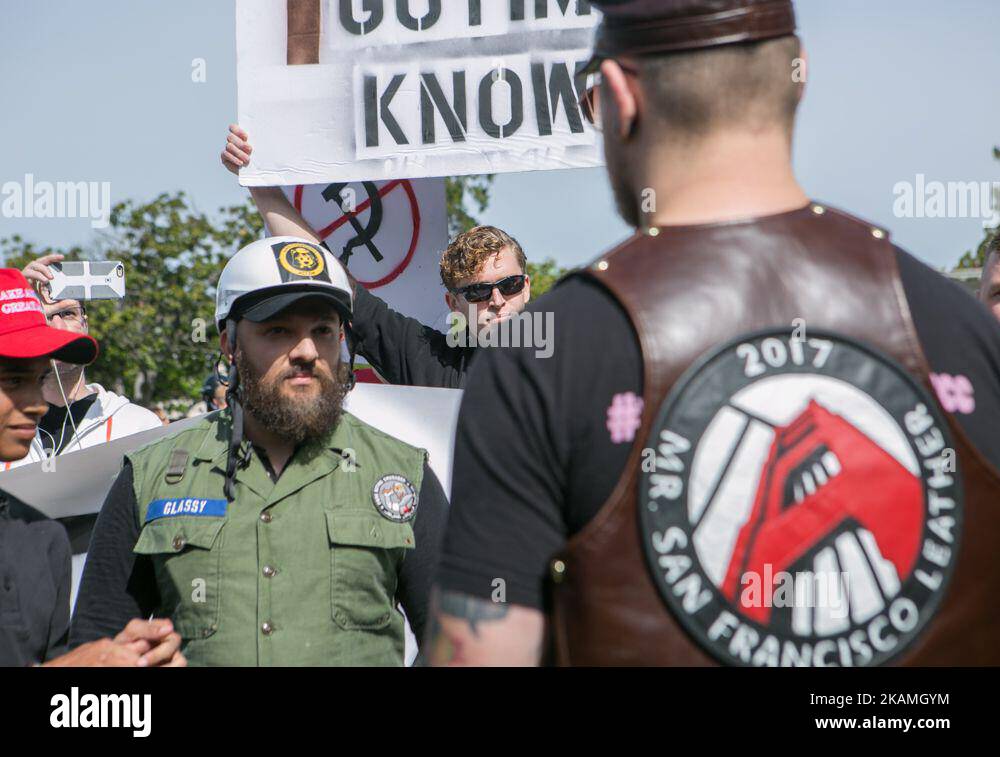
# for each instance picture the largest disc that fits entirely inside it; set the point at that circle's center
(652, 27)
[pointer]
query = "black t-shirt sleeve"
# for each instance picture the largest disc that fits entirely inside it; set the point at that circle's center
(402, 349)
(961, 341)
(534, 459)
(116, 586)
(417, 574)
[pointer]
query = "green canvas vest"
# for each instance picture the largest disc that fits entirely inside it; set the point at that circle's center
(298, 571)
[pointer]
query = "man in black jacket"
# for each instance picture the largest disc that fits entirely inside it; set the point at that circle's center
(484, 270)
(35, 558)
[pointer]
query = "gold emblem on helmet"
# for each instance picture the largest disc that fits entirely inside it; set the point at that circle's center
(301, 260)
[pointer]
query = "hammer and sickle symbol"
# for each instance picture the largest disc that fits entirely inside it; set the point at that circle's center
(363, 234)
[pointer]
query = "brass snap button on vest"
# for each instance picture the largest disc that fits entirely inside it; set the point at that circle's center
(266, 628)
(265, 516)
(268, 571)
(558, 570)
(179, 543)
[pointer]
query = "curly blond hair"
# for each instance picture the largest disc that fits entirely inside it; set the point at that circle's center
(469, 251)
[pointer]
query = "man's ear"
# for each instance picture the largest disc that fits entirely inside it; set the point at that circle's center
(623, 99)
(452, 302)
(527, 289)
(224, 344)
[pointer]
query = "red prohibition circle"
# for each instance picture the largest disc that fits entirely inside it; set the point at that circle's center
(383, 191)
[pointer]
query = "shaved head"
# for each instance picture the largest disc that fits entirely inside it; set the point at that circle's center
(744, 86)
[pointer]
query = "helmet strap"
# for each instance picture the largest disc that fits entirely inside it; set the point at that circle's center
(235, 458)
(351, 352)
(217, 371)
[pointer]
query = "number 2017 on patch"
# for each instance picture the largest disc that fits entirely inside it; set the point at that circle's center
(776, 353)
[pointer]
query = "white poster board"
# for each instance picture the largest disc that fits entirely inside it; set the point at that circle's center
(345, 90)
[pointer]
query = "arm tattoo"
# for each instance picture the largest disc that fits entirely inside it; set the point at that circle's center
(448, 648)
(472, 609)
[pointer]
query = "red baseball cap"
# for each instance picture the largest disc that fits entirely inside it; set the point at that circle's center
(24, 332)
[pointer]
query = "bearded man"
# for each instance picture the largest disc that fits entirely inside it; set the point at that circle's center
(273, 532)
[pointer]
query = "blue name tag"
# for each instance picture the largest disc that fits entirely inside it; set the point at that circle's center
(166, 508)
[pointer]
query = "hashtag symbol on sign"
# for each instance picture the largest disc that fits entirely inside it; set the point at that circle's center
(624, 417)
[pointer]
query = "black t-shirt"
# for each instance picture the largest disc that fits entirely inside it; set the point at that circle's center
(402, 349)
(57, 429)
(536, 456)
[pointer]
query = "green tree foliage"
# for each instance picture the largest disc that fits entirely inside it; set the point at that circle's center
(543, 275)
(462, 193)
(160, 342)
(976, 258)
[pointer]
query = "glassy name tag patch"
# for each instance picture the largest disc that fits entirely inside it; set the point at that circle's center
(166, 508)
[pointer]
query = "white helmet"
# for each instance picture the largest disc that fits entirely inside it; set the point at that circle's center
(268, 275)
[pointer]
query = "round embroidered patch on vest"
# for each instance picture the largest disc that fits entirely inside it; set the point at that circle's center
(395, 497)
(804, 505)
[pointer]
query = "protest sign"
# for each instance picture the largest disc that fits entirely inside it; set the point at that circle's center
(345, 90)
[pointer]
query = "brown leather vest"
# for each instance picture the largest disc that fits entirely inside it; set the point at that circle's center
(688, 289)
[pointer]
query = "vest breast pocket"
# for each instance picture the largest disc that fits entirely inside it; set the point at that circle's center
(187, 558)
(366, 552)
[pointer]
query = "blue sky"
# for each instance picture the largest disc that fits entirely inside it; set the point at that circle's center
(102, 91)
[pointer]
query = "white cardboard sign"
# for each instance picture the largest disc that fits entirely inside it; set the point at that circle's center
(412, 88)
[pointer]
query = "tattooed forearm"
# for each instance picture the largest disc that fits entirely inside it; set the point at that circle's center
(454, 616)
(468, 630)
(471, 609)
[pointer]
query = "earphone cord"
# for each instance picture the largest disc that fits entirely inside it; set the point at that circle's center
(69, 410)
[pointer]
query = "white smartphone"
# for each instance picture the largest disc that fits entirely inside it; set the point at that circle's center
(87, 280)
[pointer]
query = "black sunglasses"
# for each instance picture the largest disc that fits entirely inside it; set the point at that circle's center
(482, 291)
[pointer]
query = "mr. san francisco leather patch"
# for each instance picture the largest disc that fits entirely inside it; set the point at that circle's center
(805, 506)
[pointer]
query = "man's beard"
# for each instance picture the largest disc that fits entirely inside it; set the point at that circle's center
(625, 198)
(297, 419)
